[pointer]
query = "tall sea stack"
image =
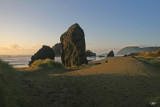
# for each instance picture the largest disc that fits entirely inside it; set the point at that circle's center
(73, 47)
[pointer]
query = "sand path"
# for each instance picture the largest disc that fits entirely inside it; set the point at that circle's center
(121, 82)
(117, 65)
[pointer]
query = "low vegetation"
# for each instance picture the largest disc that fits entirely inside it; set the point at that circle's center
(152, 58)
(47, 63)
(5, 65)
(151, 61)
(155, 54)
(11, 95)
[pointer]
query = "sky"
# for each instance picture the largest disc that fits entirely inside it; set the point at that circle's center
(26, 25)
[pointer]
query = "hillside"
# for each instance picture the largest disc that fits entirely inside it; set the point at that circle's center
(134, 49)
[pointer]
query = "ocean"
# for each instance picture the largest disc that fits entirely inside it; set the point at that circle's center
(20, 61)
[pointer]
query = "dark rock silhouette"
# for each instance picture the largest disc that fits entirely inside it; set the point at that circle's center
(110, 54)
(90, 53)
(73, 47)
(57, 49)
(125, 55)
(44, 53)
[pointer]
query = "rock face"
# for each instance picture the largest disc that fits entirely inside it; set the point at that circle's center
(110, 54)
(90, 53)
(57, 49)
(73, 47)
(44, 53)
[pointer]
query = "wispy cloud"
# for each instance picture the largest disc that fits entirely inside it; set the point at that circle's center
(14, 46)
(15, 49)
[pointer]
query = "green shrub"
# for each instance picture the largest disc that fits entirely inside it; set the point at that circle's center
(47, 63)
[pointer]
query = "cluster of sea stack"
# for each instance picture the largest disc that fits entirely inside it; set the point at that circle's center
(72, 48)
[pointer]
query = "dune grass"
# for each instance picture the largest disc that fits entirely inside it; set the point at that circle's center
(47, 63)
(154, 54)
(5, 65)
(150, 60)
(5, 70)
(11, 95)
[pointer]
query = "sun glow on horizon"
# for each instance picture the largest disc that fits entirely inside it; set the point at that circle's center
(108, 25)
(15, 49)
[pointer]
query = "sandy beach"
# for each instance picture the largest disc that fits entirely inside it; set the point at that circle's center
(119, 82)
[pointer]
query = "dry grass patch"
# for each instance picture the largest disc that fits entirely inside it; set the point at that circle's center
(47, 63)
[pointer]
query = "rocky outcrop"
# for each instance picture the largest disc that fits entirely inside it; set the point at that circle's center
(90, 53)
(73, 47)
(57, 49)
(135, 49)
(110, 54)
(44, 53)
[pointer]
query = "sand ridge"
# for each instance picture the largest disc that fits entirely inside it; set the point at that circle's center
(114, 65)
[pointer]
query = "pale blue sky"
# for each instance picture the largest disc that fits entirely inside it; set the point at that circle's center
(106, 23)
